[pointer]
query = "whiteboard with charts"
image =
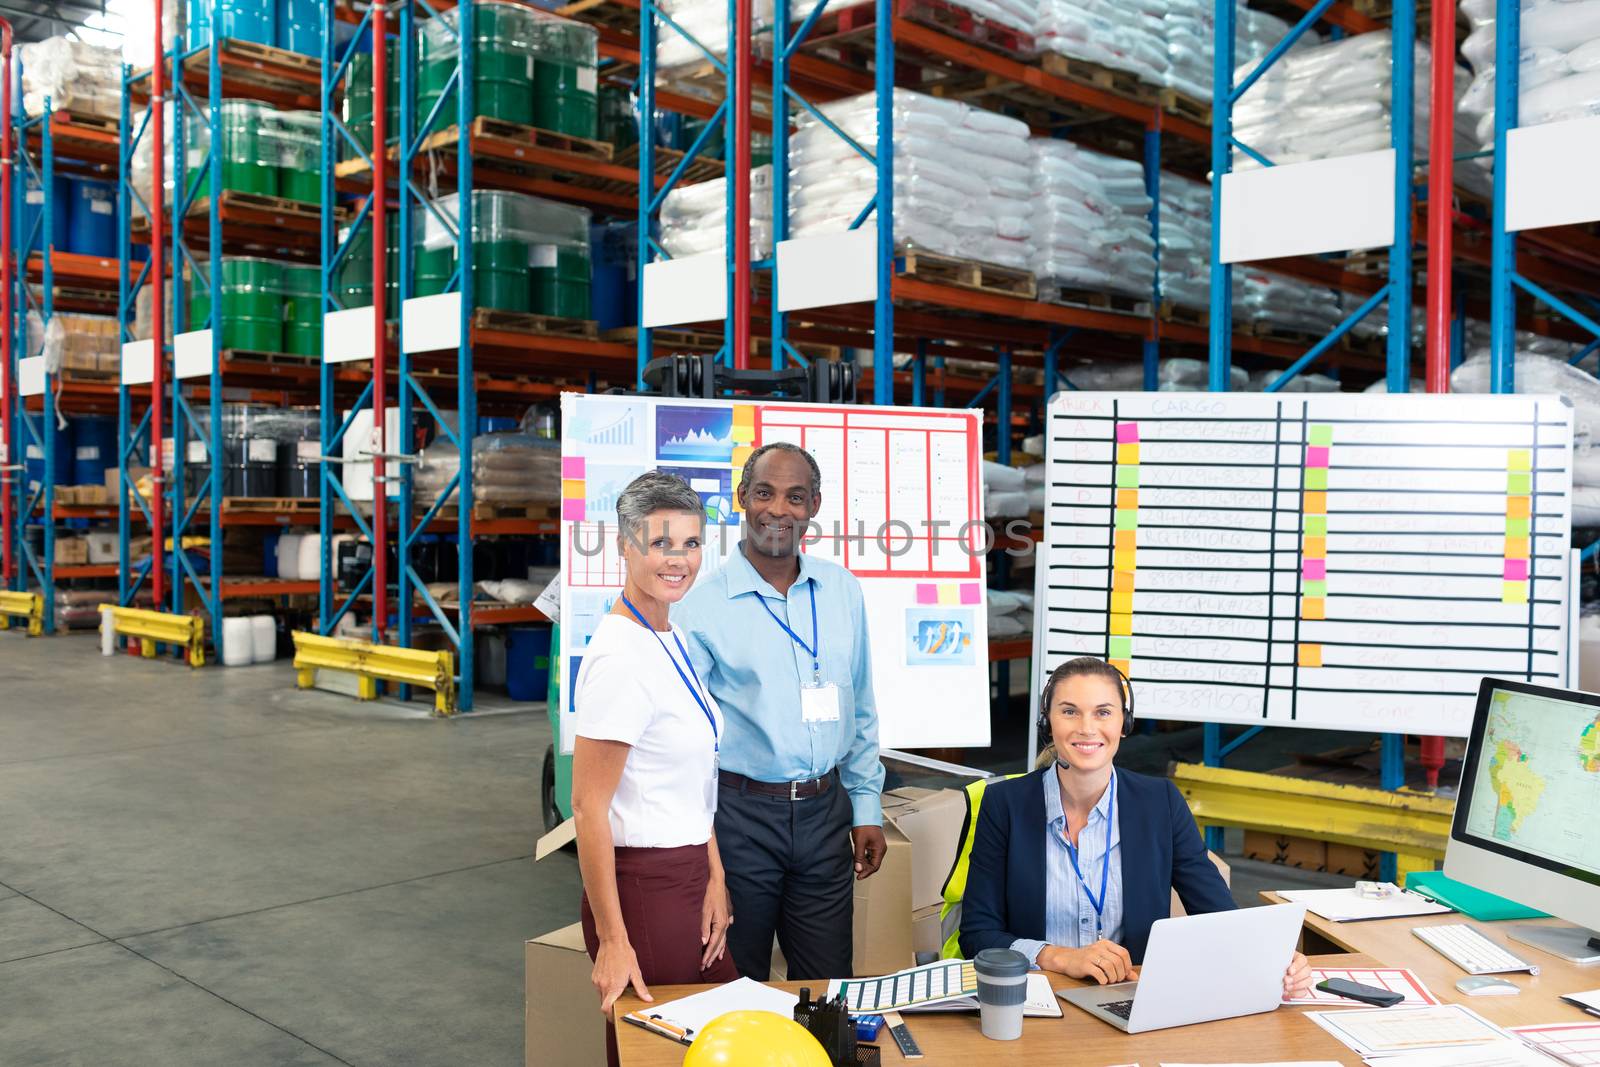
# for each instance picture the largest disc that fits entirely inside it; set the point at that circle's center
(1323, 560)
(902, 510)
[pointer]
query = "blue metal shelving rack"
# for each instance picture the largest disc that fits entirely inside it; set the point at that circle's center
(133, 438)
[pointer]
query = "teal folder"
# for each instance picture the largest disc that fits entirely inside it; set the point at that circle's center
(1469, 900)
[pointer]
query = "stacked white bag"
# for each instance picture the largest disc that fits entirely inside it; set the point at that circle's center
(1191, 38)
(694, 218)
(1091, 224)
(1559, 65)
(75, 76)
(962, 177)
(1121, 34)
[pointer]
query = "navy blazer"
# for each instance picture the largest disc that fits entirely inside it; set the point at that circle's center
(1161, 850)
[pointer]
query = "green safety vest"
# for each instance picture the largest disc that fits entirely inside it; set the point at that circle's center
(955, 884)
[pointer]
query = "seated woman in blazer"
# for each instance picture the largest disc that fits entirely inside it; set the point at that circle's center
(1073, 863)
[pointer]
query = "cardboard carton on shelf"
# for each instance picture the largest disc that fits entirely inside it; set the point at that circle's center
(71, 552)
(1299, 852)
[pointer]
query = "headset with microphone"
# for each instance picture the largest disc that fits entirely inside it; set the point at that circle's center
(1127, 696)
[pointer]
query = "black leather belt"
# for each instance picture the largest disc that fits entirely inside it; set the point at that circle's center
(801, 790)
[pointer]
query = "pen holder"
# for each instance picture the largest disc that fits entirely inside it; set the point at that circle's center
(829, 1022)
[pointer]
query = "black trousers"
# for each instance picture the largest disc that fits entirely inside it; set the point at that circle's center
(790, 870)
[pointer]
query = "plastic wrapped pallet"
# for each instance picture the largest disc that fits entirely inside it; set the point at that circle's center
(529, 254)
(75, 76)
(1091, 225)
(1121, 34)
(251, 160)
(694, 218)
(962, 176)
(1558, 75)
(92, 344)
(507, 468)
(1190, 35)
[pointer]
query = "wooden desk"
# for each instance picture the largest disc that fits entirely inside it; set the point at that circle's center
(954, 1038)
(1392, 941)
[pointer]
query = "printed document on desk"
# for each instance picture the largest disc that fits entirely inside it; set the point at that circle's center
(1345, 905)
(1494, 1054)
(682, 1020)
(1577, 1044)
(1394, 979)
(1383, 1032)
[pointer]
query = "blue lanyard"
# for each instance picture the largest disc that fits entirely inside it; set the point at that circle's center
(694, 690)
(1105, 865)
(815, 645)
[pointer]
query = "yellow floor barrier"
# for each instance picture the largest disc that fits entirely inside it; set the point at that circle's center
(159, 627)
(22, 605)
(372, 664)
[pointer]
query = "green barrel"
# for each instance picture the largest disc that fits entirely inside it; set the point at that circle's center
(357, 111)
(564, 81)
(294, 138)
(431, 270)
(616, 123)
(302, 314)
(353, 280)
(502, 58)
(560, 281)
(252, 304)
(249, 164)
(499, 275)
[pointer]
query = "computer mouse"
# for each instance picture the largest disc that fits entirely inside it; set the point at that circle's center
(1482, 985)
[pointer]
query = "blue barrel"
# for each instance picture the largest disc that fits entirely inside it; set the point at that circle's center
(528, 662)
(237, 20)
(94, 441)
(614, 274)
(91, 217)
(33, 458)
(300, 26)
(33, 209)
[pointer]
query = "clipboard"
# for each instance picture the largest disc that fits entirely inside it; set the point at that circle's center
(682, 1020)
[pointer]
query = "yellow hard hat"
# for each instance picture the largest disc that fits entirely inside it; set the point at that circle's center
(755, 1039)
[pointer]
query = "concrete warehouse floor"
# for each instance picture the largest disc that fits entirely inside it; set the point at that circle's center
(210, 867)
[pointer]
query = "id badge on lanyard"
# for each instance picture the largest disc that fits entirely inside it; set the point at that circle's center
(819, 701)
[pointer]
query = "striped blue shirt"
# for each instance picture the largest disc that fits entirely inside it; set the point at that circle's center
(1069, 917)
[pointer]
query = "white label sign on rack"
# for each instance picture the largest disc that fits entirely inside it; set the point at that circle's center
(347, 335)
(834, 268)
(30, 376)
(191, 354)
(1323, 560)
(138, 362)
(686, 289)
(1301, 209)
(1550, 172)
(430, 323)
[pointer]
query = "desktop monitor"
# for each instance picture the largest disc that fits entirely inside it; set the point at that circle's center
(1527, 818)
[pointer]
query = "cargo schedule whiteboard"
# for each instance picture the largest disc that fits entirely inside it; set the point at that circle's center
(901, 509)
(1323, 560)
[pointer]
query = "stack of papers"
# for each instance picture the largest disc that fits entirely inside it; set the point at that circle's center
(1589, 1000)
(1492, 1054)
(1577, 1044)
(1385, 1032)
(1345, 905)
(1394, 979)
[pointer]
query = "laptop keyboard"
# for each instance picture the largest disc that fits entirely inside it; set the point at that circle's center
(1120, 1008)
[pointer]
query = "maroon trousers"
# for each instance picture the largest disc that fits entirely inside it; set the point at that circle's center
(662, 891)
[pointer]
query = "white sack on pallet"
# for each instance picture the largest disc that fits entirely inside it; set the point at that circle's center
(1547, 374)
(694, 218)
(1091, 226)
(1558, 73)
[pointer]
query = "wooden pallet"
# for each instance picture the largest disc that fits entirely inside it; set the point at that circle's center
(1120, 82)
(1268, 331)
(261, 64)
(1184, 106)
(484, 511)
(88, 374)
(701, 169)
(1186, 316)
(710, 341)
(959, 22)
(280, 505)
(68, 122)
(1094, 298)
(970, 274)
(516, 135)
(534, 325)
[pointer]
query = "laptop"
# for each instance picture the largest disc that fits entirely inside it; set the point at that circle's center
(1199, 968)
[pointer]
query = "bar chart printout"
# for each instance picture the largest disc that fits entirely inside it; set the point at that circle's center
(1351, 562)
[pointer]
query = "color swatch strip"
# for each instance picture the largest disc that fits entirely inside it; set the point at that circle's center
(1519, 521)
(1314, 535)
(1124, 548)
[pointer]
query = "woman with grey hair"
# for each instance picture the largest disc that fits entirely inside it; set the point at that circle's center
(644, 772)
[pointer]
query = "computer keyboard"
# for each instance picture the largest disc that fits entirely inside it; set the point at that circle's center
(1120, 1008)
(1470, 950)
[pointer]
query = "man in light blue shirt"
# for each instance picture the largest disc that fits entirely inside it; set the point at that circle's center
(1070, 918)
(780, 639)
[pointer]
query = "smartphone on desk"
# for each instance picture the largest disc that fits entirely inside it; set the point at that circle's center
(1366, 994)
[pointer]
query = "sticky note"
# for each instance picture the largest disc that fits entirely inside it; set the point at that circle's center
(1519, 459)
(1128, 499)
(1314, 570)
(1316, 526)
(949, 593)
(927, 593)
(572, 510)
(1122, 665)
(572, 489)
(1127, 477)
(1125, 540)
(1127, 520)
(1121, 626)
(1310, 656)
(1517, 527)
(1315, 504)
(1128, 454)
(1518, 507)
(1119, 648)
(740, 455)
(1516, 570)
(1320, 435)
(1122, 581)
(744, 424)
(1123, 561)
(1127, 433)
(971, 593)
(1122, 603)
(572, 466)
(1318, 588)
(1316, 478)
(1518, 548)
(1316, 457)
(1313, 608)
(1315, 548)
(1515, 593)
(1519, 484)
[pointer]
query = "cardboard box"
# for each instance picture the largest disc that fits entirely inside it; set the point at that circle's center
(1290, 851)
(881, 942)
(102, 546)
(71, 552)
(926, 932)
(931, 820)
(562, 1026)
(1353, 861)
